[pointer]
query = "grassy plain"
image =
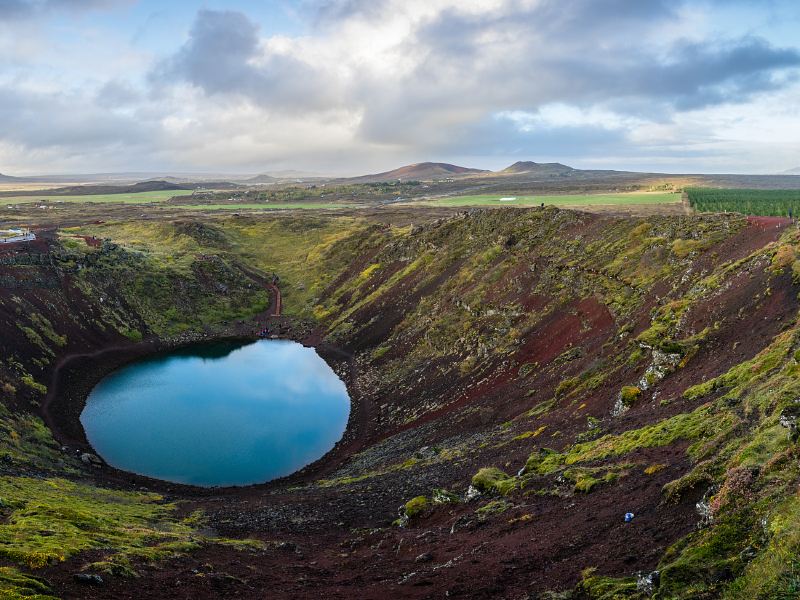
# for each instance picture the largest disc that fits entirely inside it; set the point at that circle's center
(137, 198)
(624, 198)
(268, 206)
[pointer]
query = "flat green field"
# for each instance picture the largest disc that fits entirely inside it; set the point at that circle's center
(267, 206)
(138, 198)
(557, 200)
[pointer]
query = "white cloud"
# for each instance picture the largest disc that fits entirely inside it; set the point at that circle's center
(374, 82)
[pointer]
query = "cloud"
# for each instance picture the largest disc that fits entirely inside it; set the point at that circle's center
(23, 9)
(14, 9)
(369, 83)
(224, 55)
(37, 120)
(440, 67)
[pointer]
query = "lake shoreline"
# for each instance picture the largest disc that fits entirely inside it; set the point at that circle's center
(76, 375)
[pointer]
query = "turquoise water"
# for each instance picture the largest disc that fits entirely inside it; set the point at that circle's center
(220, 415)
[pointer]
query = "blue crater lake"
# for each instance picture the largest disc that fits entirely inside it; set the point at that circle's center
(219, 415)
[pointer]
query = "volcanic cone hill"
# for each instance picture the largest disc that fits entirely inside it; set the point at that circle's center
(521, 379)
(420, 171)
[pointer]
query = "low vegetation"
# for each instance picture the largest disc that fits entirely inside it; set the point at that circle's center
(527, 330)
(770, 203)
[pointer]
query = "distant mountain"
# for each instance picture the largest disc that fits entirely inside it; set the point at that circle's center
(528, 166)
(263, 178)
(425, 171)
(294, 174)
(795, 171)
(10, 179)
(86, 190)
(129, 178)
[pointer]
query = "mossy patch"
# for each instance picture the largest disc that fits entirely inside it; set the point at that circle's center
(14, 584)
(53, 519)
(493, 507)
(597, 587)
(416, 506)
(493, 480)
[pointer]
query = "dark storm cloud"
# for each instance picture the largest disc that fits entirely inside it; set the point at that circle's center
(224, 56)
(704, 74)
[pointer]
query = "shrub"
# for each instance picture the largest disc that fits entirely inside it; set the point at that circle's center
(683, 248)
(33, 384)
(629, 394)
(784, 257)
(133, 334)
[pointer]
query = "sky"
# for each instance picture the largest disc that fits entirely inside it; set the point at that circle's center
(356, 86)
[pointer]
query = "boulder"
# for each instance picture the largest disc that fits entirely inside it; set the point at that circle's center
(789, 418)
(93, 460)
(88, 579)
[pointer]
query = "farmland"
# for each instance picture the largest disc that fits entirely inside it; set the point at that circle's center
(268, 206)
(627, 198)
(767, 203)
(137, 198)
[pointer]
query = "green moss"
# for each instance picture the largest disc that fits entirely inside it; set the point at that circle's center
(747, 372)
(586, 479)
(654, 468)
(689, 426)
(765, 444)
(541, 408)
(565, 386)
(416, 506)
(26, 441)
(493, 480)
(133, 334)
(494, 507)
(531, 434)
(695, 480)
(367, 273)
(629, 394)
(51, 520)
(45, 327)
(544, 461)
(775, 571)
(683, 248)
(14, 584)
(379, 352)
(442, 496)
(596, 587)
(705, 561)
(33, 384)
(445, 454)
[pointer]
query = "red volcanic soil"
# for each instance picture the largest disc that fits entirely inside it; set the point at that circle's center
(339, 541)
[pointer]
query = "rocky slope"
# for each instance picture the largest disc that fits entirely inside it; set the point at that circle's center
(521, 380)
